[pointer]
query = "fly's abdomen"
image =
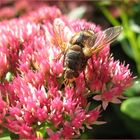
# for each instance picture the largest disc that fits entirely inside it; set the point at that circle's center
(74, 60)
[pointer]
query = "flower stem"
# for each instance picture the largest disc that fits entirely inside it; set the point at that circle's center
(131, 36)
(109, 16)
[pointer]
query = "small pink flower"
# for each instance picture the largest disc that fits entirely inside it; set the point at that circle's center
(26, 131)
(67, 132)
(4, 64)
(57, 104)
(53, 135)
(43, 13)
(56, 118)
(7, 12)
(2, 110)
(93, 115)
(79, 118)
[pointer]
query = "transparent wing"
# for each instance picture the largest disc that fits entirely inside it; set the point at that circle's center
(89, 41)
(112, 33)
(61, 34)
(99, 40)
(106, 37)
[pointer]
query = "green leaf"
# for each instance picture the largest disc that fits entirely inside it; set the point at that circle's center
(135, 27)
(127, 48)
(138, 41)
(134, 90)
(5, 134)
(5, 138)
(103, 2)
(131, 107)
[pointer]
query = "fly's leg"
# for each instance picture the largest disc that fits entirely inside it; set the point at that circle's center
(86, 83)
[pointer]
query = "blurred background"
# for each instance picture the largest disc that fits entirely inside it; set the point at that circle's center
(123, 121)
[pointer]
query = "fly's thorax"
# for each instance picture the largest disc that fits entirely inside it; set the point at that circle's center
(79, 37)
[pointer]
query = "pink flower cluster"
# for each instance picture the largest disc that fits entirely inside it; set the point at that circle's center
(34, 101)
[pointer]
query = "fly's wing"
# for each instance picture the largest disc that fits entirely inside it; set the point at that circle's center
(100, 40)
(89, 40)
(61, 34)
(106, 37)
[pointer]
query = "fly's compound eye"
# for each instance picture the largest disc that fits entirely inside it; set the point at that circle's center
(77, 39)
